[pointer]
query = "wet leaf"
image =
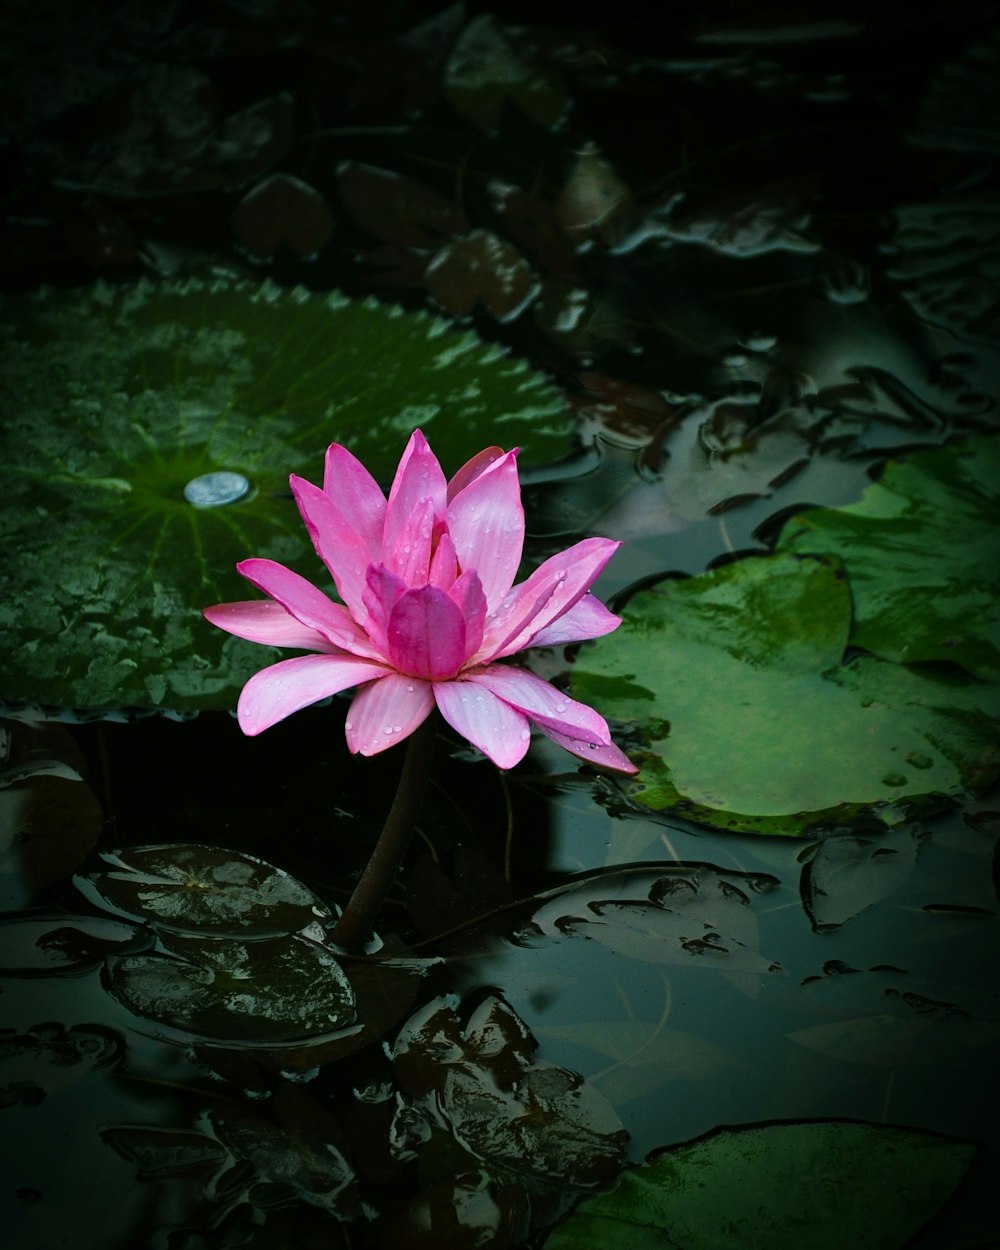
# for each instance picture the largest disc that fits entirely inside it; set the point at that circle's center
(921, 552)
(162, 1152)
(156, 385)
(481, 268)
(305, 1150)
(283, 210)
(489, 66)
(825, 1184)
(480, 1083)
(735, 683)
(397, 209)
(187, 888)
(36, 945)
(264, 992)
(851, 872)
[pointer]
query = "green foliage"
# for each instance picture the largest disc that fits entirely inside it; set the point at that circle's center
(757, 723)
(825, 1185)
(116, 397)
(922, 553)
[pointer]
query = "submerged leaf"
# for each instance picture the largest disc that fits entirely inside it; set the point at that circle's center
(736, 684)
(824, 1185)
(125, 406)
(922, 556)
(849, 873)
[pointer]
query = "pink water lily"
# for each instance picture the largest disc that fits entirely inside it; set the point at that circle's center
(429, 607)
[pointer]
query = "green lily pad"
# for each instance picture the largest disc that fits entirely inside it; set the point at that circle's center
(190, 888)
(922, 551)
(117, 398)
(266, 992)
(750, 719)
(825, 1185)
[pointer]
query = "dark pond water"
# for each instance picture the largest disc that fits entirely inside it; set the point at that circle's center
(760, 254)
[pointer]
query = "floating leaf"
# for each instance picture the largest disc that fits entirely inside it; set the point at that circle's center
(751, 720)
(922, 555)
(269, 991)
(189, 888)
(119, 400)
(282, 209)
(825, 1185)
(481, 268)
(487, 68)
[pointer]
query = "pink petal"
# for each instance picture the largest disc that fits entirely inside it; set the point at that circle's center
(341, 547)
(410, 555)
(444, 564)
(543, 703)
(418, 477)
(426, 634)
(263, 620)
(486, 523)
(384, 712)
(356, 495)
(469, 471)
(553, 588)
(490, 724)
(278, 691)
(607, 756)
(587, 618)
(467, 595)
(308, 605)
(383, 589)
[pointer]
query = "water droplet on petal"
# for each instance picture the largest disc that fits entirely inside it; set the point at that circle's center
(525, 735)
(397, 729)
(212, 490)
(560, 707)
(409, 689)
(387, 729)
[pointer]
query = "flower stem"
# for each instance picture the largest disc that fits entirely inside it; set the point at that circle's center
(355, 923)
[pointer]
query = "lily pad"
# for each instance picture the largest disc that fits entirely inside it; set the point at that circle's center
(751, 720)
(826, 1185)
(922, 553)
(189, 888)
(120, 402)
(269, 991)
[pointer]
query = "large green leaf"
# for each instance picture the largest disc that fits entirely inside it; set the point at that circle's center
(922, 552)
(751, 720)
(824, 1185)
(116, 398)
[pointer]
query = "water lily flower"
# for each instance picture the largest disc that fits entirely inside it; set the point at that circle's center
(428, 609)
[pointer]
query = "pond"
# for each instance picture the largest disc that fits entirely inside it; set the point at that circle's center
(732, 290)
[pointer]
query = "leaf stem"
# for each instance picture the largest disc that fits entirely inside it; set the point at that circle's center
(355, 923)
